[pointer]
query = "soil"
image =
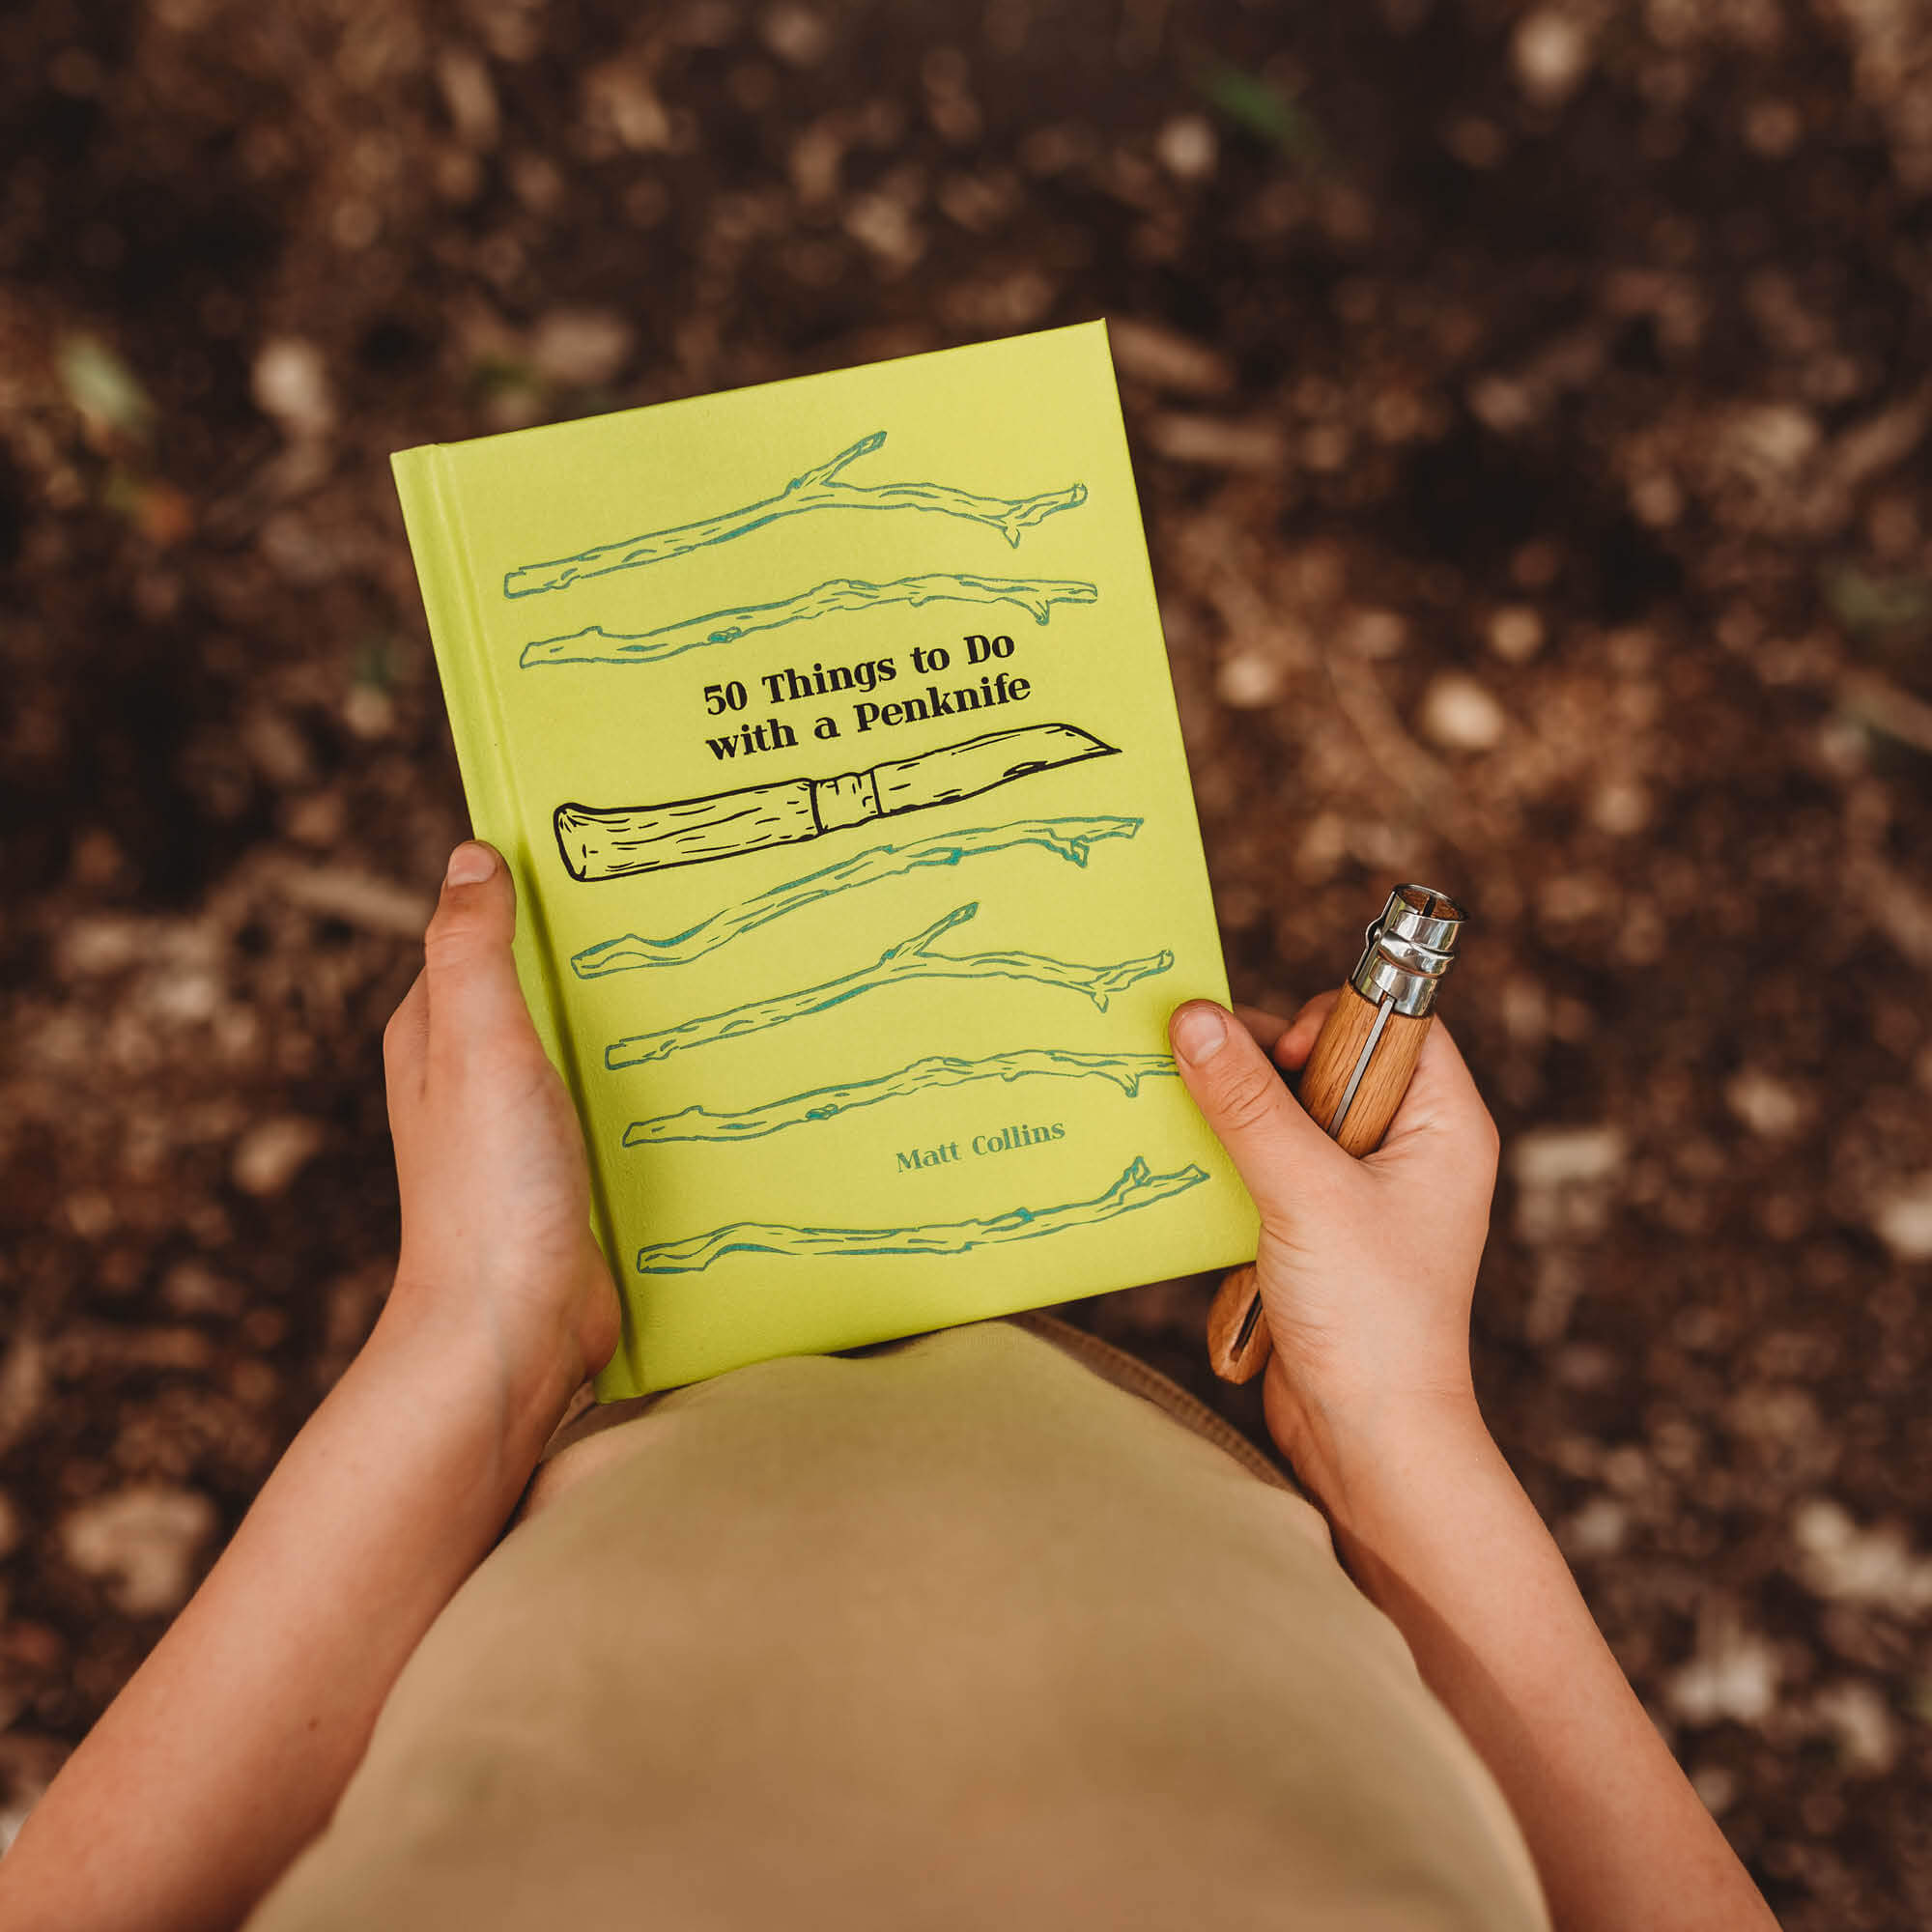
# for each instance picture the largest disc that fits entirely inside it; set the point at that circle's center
(1530, 411)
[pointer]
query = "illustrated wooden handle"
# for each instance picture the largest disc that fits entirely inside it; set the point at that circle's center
(1353, 1080)
(608, 844)
(614, 841)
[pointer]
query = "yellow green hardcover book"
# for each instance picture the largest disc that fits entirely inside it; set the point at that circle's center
(827, 729)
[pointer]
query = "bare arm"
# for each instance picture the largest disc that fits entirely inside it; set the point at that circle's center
(227, 1750)
(1367, 1271)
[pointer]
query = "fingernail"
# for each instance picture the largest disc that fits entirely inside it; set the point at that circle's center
(1200, 1031)
(470, 865)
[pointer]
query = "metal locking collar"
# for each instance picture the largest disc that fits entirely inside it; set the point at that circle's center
(1408, 949)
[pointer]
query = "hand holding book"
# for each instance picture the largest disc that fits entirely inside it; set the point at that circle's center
(489, 1160)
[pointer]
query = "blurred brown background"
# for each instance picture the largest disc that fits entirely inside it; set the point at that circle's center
(1531, 410)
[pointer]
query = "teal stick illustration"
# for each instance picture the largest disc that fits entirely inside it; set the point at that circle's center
(819, 488)
(1069, 839)
(596, 645)
(1138, 1186)
(909, 959)
(1127, 1071)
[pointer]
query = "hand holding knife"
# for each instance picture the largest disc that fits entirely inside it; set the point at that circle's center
(1354, 1078)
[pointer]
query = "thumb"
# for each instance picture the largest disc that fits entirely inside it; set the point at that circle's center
(1274, 1146)
(473, 995)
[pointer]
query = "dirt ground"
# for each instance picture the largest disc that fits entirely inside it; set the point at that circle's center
(1530, 410)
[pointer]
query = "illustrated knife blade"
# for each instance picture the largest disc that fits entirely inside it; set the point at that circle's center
(611, 843)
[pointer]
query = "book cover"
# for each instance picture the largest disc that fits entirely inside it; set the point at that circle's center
(827, 729)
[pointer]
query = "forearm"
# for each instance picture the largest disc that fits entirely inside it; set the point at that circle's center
(1440, 1536)
(227, 1750)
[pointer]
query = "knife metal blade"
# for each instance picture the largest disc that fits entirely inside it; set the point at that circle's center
(615, 842)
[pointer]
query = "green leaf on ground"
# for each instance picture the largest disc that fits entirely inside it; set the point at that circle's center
(1256, 106)
(1892, 609)
(102, 387)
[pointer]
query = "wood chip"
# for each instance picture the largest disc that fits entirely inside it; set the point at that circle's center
(1217, 444)
(1152, 352)
(1459, 715)
(274, 1153)
(359, 899)
(144, 1540)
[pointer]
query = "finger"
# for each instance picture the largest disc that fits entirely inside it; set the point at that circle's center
(474, 1000)
(1298, 1040)
(1266, 1026)
(1275, 1146)
(1442, 1119)
(406, 1045)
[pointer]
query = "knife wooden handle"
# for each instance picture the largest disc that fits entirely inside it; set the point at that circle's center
(1324, 1083)
(1324, 1078)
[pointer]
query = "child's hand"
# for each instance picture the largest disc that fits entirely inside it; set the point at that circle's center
(496, 1194)
(1366, 1267)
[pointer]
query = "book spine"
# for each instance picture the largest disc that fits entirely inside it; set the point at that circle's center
(432, 515)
